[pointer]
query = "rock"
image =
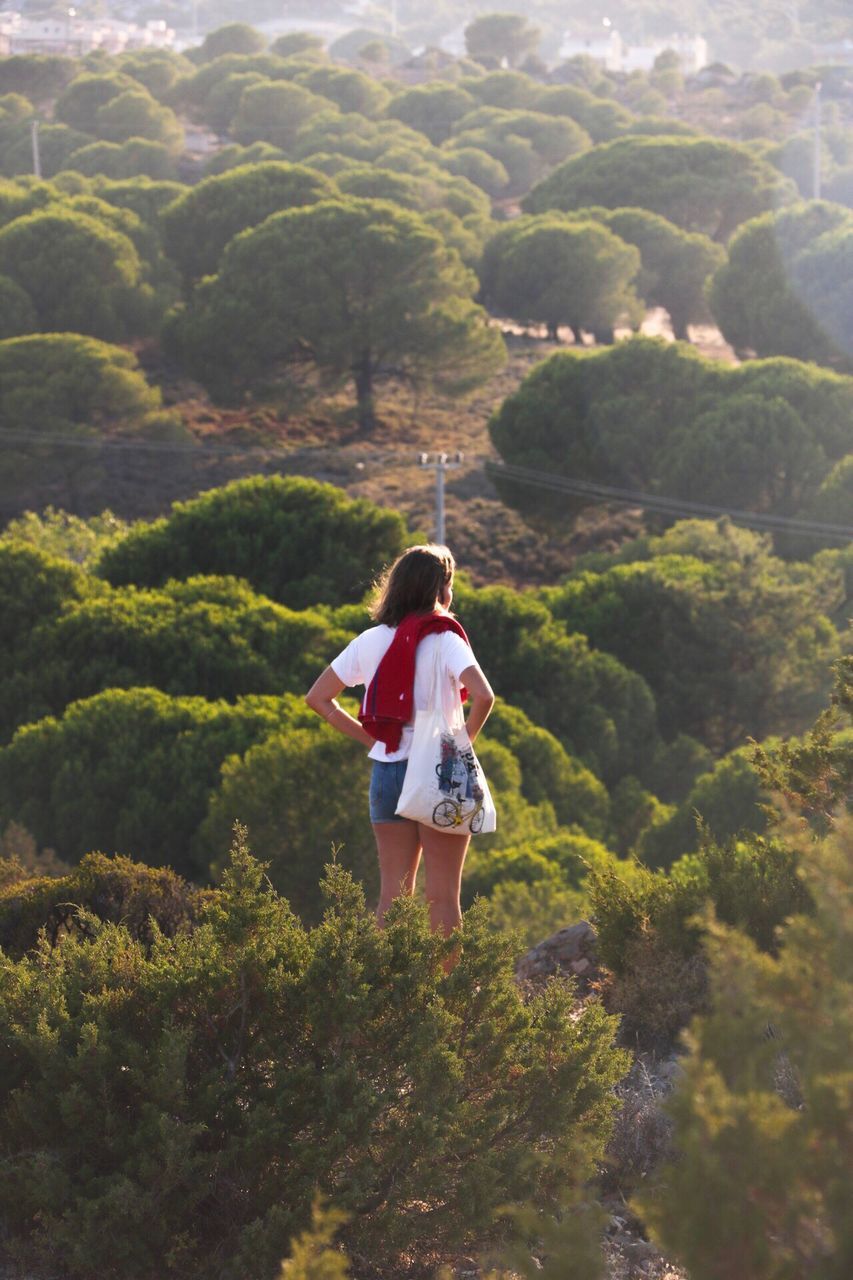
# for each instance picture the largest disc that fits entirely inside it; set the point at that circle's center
(568, 951)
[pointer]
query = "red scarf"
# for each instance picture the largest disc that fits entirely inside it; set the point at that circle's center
(389, 701)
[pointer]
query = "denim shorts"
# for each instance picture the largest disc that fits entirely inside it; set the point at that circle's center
(386, 783)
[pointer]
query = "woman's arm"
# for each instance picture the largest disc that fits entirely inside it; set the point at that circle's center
(482, 699)
(321, 698)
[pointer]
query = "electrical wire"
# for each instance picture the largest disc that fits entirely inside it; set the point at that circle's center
(668, 506)
(568, 485)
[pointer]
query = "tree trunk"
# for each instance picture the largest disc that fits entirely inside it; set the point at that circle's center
(363, 374)
(679, 326)
(552, 332)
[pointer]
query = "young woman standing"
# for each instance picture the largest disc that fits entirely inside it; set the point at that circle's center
(394, 660)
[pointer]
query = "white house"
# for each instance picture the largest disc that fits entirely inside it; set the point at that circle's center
(603, 44)
(606, 46)
(74, 36)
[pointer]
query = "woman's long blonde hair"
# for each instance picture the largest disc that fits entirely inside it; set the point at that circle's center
(412, 584)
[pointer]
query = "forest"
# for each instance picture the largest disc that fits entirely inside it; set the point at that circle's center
(251, 294)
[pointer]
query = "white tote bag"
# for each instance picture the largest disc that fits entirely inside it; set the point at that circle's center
(445, 786)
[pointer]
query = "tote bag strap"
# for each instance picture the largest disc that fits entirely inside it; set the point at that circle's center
(435, 684)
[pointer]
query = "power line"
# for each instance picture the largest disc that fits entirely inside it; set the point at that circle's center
(668, 506)
(520, 475)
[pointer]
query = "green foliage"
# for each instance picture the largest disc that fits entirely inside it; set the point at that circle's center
(211, 637)
(344, 1046)
(733, 644)
(432, 109)
(157, 70)
(762, 1114)
(770, 298)
(78, 105)
(558, 862)
(349, 90)
(675, 264)
(60, 533)
(495, 37)
(138, 157)
(302, 792)
(136, 114)
(701, 184)
(601, 713)
(34, 587)
(478, 167)
(351, 286)
(144, 196)
(297, 44)
(295, 540)
(644, 413)
(61, 381)
(79, 274)
(146, 901)
(235, 37)
(147, 795)
(39, 76)
(274, 111)
(312, 1256)
(554, 272)
(821, 276)
(549, 772)
(602, 119)
(57, 142)
(17, 313)
(202, 220)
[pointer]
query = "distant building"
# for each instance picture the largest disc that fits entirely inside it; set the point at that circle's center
(608, 48)
(605, 46)
(76, 36)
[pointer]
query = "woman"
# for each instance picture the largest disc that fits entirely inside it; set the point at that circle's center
(412, 610)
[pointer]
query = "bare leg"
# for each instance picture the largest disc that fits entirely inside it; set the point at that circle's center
(444, 857)
(399, 847)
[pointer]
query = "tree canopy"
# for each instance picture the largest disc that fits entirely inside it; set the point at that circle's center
(773, 295)
(646, 414)
(554, 272)
(347, 286)
(295, 540)
(202, 220)
(701, 184)
(80, 275)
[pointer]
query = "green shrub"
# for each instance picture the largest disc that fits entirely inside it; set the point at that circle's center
(296, 540)
(602, 713)
(129, 771)
(173, 1111)
(763, 1112)
(300, 793)
(211, 637)
(144, 900)
(549, 772)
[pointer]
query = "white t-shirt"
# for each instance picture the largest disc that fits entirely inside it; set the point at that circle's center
(357, 664)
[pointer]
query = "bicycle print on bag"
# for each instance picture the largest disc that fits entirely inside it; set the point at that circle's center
(457, 777)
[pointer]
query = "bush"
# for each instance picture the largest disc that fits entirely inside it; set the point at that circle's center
(296, 540)
(549, 772)
(763, 1111)
(129, 771)
(147, 1097)
(145, 901)
(208, 637)
(302, 794)
(602, 714)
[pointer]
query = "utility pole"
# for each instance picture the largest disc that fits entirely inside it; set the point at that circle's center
(34, 134)
(816, 153)
(441, 466)
(394, 19)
